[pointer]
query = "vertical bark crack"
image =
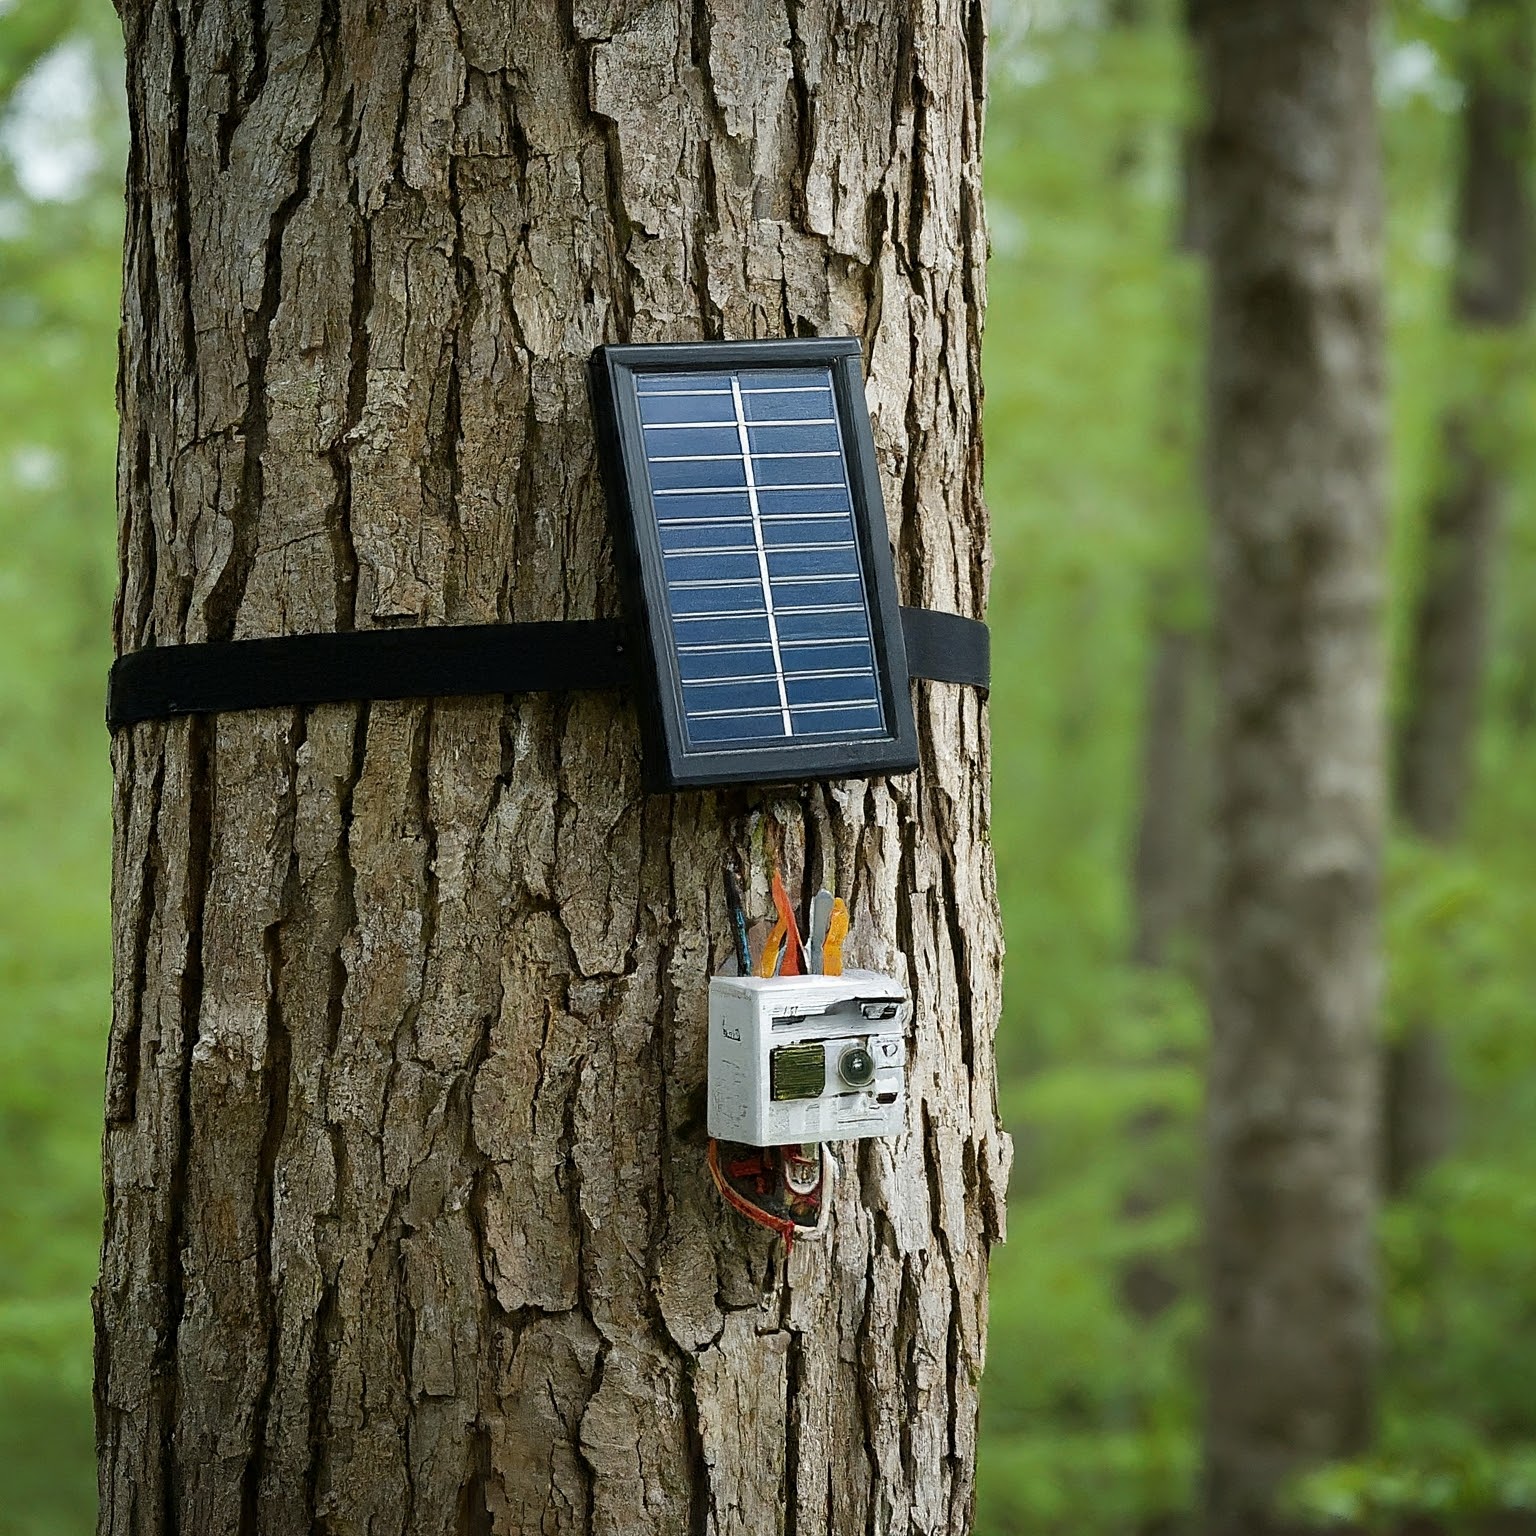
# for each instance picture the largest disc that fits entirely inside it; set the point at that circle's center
(196, 749)
(223, 604)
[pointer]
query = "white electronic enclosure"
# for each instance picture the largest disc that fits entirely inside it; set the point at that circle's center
(807, 1058)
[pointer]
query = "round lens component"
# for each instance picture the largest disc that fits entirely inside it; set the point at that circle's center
(856, 1067)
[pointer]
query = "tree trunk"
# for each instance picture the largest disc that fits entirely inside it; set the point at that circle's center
(1492, 293)
(1169, 858)
(408, 1222)
(1168, 862)
(1295, 460)
(1171, 849)
(1448, 641)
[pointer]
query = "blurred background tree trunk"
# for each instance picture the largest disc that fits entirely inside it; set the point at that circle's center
(408, 1225)
(1170, 857)
(1448, 638)
(1296, 480)
(1171, 848)
(1172, 842)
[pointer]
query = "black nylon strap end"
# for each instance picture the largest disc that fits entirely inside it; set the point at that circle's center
(945, 648)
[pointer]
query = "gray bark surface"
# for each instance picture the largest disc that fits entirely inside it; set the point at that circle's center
(1290, 192)
(408, 1223)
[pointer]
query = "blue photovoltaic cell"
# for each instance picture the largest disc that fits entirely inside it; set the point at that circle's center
(765, 588)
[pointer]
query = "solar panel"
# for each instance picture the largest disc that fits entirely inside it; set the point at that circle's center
(743, 479)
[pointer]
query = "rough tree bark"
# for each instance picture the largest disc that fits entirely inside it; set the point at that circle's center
(1295, 463)
(1448, 639)
(408, 1224)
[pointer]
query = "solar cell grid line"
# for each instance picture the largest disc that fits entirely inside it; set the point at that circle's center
(737, 677)
(715, 490)
(762, 553)
(698, 552)
(768, 677)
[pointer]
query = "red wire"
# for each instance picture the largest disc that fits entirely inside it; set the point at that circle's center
(782, 1226)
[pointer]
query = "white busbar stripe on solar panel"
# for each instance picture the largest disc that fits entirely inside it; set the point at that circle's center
(762, 552)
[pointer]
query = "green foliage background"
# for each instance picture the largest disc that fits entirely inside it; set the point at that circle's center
(1091, 1415)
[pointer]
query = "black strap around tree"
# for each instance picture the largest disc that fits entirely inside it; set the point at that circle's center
(162, 682)
(945, 648)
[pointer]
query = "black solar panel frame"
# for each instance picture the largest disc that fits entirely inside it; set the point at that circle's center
(670, 762)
